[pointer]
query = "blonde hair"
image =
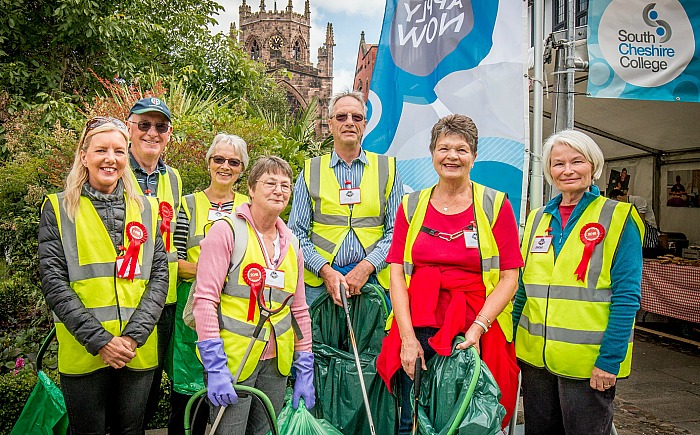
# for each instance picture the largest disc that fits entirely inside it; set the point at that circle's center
(582, 143)
(79, 175)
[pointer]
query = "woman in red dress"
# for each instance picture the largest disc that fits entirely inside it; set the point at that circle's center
(454, 263)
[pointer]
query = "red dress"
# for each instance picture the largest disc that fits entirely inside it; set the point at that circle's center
(454, 269)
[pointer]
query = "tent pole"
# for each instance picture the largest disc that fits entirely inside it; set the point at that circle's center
(536, 178)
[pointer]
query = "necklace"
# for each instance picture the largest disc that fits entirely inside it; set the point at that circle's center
(445, 207)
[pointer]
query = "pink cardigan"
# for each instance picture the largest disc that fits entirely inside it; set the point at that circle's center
(212, 267)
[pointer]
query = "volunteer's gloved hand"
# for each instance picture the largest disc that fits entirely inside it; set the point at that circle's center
(304, 384)
(219, 379)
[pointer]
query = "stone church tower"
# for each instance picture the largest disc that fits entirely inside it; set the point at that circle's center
(280, 39)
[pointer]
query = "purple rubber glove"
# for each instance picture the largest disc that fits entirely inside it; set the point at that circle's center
(304, 384)
(219, 380)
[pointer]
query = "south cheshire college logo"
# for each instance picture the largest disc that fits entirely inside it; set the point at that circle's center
(647, 44)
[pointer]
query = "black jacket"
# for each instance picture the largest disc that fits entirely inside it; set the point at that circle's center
(66, 304)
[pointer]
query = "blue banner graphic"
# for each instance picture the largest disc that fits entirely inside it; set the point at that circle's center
(438, 57)
(644, 50)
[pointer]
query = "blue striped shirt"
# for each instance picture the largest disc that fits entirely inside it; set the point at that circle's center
(351, 250)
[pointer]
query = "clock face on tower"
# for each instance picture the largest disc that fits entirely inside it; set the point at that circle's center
(276, 42)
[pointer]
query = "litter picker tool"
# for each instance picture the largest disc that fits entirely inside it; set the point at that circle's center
(416, 393)
(265, 314)
(344, 298)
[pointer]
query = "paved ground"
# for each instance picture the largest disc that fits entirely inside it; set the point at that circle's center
(662, 395)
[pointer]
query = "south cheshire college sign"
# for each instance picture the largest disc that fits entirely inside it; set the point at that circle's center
(647, 50)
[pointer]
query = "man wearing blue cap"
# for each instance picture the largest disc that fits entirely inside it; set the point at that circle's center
(150, 129)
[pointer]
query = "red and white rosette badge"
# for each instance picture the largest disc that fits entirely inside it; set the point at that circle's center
(137, 235)
(591, 234)
(254, 276)
(165, 211)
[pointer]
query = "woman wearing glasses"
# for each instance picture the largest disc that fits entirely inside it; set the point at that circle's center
(226, 158)
(104, 274)
(250, 263)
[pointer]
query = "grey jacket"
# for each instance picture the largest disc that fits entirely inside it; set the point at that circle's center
(66, 304)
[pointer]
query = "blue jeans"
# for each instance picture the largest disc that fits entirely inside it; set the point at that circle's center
(107, 397)
(557, 405)
(406, 416)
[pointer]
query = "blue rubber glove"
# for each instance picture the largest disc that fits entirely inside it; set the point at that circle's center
(219, 379)
(304, 384)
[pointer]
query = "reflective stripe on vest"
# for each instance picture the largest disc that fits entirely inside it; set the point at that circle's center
(487, 206)
(91, 265)
(196, 207)
(332, 221)
(235, 330)
(170, 191)
(564, 319)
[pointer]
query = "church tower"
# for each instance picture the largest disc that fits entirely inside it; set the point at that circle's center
(280, 39)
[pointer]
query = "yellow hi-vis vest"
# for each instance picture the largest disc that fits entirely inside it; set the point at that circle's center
(487, 206)
(564, 319)
(197, 207)
(332, 221)
(235, 330)
(170, 191)
(91, 262)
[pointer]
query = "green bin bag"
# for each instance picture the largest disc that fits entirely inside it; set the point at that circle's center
(299, 421)
(459, 396)
(335, 374)
(45, 410)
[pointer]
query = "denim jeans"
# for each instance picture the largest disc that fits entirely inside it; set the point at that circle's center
(557, 405)
(165, 326)
(406, 416)
(108, 397)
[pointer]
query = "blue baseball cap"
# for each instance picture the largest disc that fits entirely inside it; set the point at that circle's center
(151, 104)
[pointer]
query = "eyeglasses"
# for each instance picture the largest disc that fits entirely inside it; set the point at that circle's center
(99, 121)
(145, 126)
(234, 163)
(342, 117)
(272, 185)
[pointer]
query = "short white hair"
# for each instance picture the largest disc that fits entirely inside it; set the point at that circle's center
(236, 142)
(582, 143)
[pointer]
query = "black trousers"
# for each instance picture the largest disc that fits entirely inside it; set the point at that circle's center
(556, 405)
(166, 323)
(114, 398)
(406, 416)
(198, 421)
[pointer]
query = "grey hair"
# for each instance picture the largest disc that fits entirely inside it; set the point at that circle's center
(236, 142)
(347, 93)
(269, 165)
(579, 141)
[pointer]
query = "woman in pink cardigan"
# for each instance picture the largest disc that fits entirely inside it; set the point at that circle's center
(269, 271)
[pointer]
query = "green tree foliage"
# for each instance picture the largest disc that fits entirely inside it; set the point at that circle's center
(50, 47)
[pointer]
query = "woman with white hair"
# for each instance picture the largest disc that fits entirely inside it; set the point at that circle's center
(104, 274)
(578, 295)
(226, 159)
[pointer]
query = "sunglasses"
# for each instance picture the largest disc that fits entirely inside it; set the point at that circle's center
(145, 126)
(234, 163)
(99, 121)
(342, 117)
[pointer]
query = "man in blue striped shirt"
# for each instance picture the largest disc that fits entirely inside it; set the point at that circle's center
(344, 207)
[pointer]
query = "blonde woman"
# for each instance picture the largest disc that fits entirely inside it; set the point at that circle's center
(104, 274)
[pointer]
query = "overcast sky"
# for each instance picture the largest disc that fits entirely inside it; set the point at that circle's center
(349, 19)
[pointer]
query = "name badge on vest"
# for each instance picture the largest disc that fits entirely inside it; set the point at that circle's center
(274, 278)
(120, 260)
(215, 214)
(350, 196)
(541, 244)
(471, 239)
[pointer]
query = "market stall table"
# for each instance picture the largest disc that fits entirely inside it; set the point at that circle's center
(671, 290)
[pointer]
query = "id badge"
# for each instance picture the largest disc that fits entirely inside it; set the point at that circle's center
(120, 260)
(350, 196)
(215, 214)
(541, 244)
(274, 278)
(470, 239)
